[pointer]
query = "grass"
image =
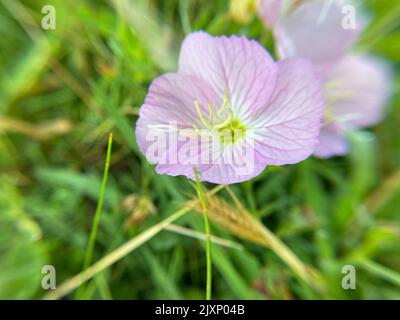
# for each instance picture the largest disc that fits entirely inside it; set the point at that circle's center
(64, 90)
(96, 219)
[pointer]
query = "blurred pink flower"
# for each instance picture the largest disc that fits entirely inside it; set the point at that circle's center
(313, 29)
(356, 90)
(356, 86)
(231, 84)
(269, 11)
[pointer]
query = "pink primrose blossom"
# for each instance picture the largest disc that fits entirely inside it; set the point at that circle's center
(269, 11)
(355, 86)
(230, 100)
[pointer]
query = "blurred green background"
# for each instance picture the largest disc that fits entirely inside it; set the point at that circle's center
(62, 91)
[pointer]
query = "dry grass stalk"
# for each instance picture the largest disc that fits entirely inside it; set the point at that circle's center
(40, 131)
(241, 223)
(233, 219)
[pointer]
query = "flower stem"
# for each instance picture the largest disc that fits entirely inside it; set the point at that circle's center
(202, 200)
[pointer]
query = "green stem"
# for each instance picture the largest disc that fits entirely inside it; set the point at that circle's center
(202, 200)
(96, 219)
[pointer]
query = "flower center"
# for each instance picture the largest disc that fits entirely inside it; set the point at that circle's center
(232, 132)
(222, 121)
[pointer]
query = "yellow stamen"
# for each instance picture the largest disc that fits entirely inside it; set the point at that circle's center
(230, 123)
(224, 104)
(225, 122)
(201, 115)
(211, 111)
(196, 130)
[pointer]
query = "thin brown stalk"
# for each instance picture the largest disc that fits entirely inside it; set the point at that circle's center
(241, 223)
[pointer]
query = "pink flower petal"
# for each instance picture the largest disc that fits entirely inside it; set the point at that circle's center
(234, 65)
(170, 100)
(287, 130)
(239, 163)
(228, 174)
(332, 142)
(313, 30)
(356, 91)
(269, 11)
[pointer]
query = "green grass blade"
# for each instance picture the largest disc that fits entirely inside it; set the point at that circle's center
(96, 219)
(381, 271)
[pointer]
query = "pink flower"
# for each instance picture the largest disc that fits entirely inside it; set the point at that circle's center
(356, 90)
(269, 11)
(230, 88)
(313, 29)
(356, 87)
